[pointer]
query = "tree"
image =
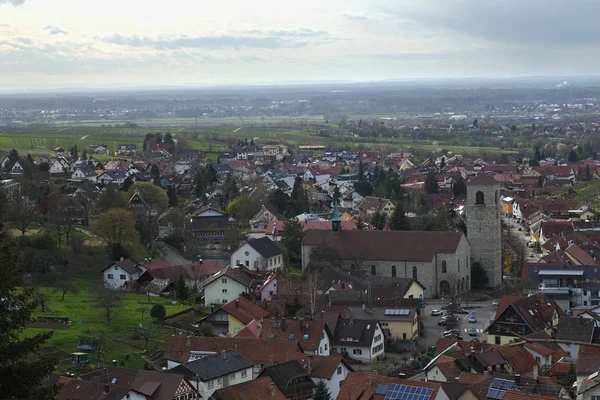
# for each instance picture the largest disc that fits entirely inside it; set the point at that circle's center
(172, 196)
(291, 238)
(13, 157)
(336, 195)
(361, 171)
(62, 219)
(84, 155)
(431, 185)
(182, 291)
(293, 307)
(127, 183)
(230, 190)
(299, 198)
(155, 197)
(475, 123)
(233, 240)
(155, 171)
(399, 221)
(108, 300)
(363, 188)
(279, 201)
(158, 312)
(321, 392)
(21, 368)
(116, 228)
(479, 278)
(23, 213)
(378, 220)
(588, 173)
(313, 284)
(74, 151)
(572, 156)
(142, 310)
(459, 189)
(199, 185)
(244, 207)
(443, 162)
(110, 198)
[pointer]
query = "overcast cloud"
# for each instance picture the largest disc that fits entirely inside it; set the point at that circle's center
(186, 41)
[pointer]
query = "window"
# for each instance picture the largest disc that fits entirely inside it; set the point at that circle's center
(110, 276)
(444, 267)
(414, 273)
(237, 262)
(223, 290)
(224, 280)
(271, 335)
(325, 346)
(291, 336)
(225, 301)
(247, 263)
(211, 384)
(244, 373)
(322, 335)
(232, 377)
(479, 198)
(123, 277)
(357, 351)
(373, 270)
(305, 336)
(339, 370)
(343, 350)
(497, 339)
(393, 271)
(236, 331)
(320, 350)
(219, 381)
(404, 336)
(116, 267)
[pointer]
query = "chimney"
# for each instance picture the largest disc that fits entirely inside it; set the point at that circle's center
(272, 389)
(114, 363)
(188, 342)
(580, 320)
(536, 369)
(517, 379)
(224, 354)
(343, 285)
(237, 303)
(309, 365)
(106, 388)
(122, 258)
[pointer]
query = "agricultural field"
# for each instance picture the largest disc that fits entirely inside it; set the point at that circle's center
(119, 339)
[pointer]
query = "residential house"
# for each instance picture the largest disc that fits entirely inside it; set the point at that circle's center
(259, 222)
(314, 336)
(115, 177)
(363, 386)
(84, 173)
(141, 384)
(352, 200)
(233, 316)
(126, 150)
(371, 205)
(291, 379)
(101, 149)
(331, 370)
(181, 349)
(78, 389)
(226, 285)
(400, 324)
(209, 223)
(259, 254)
(211, 373)
(443, 369)
(59, 166)
(362, 340)
(120, 274)
(276, 284)
(432, 258)
(118, 165)
(258, 389)
(518, 316)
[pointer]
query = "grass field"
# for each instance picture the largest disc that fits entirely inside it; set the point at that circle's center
(88, 322)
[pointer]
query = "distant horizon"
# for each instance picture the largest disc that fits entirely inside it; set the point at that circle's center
(73, 88)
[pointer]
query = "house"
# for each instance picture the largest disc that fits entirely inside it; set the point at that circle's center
(440, 261)
(314, 336)
(181, 349)
(259, 222)
(276, 284)
(331, 370)
(260, 254)
(363, 386)
(518, 316)
(291, 379)
(443, 369)
(194, 274)
(59, 166)
(141, 384)
(233, 316)
(84, 173)
(101, 149)
(226, 285)
(209, 223)
(258, 389)
(138, 206)
(121, 273)
(352, 200)
(370, 205)
(211, 373)
(400, 324)
(160, 287)
(275, 228)
(115, 177)
(362, 340)
(79, 389)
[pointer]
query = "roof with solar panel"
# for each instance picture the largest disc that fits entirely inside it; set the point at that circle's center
(394, 391)
(383, 313)
(498, 388)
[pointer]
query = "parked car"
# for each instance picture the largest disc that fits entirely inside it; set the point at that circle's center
(450, 332)
(460, 311)
(472, 318)
(435, 313)
(443, 322)
(496, 303)
(520, 229)
(472, 332)
(531, 255)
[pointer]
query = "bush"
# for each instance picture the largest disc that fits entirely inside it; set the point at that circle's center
(158, 312)
(43, 242)
(173, 241)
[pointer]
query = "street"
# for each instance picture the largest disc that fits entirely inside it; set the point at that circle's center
(484, 312)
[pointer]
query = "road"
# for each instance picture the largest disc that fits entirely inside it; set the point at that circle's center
(171, 255)
(433, 332)
(514, 226)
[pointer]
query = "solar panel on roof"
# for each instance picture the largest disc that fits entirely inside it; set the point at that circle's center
(382, 388)
(406, 392)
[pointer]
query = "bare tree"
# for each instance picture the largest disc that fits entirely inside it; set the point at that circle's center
(143, 311)
(62, 219)
(23, 213)
(358, 257)
(313, 283)
(108, 301)
(454, 287)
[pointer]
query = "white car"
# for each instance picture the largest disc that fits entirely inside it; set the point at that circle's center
(472, 318)
(435, 313)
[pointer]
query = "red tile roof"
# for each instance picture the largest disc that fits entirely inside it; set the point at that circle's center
(470, 378)
(361, 385)
(520, 359)
(307, 225)
(588, 360)
(505, 302)
(322, 366)
(518, 395)
(261, 351)
(244, 310)
(283, 328)
(484, 179)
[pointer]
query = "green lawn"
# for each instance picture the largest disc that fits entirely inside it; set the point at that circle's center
(88, 322)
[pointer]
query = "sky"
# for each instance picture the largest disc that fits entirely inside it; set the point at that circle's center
(112, 43)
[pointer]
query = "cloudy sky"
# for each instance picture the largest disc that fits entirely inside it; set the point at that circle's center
(134, 42)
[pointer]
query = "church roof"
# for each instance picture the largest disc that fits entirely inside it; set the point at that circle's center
(484, 180)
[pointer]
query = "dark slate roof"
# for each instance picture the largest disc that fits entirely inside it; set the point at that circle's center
(214, 366)
(265, 247)
(358, 329)
(454, 389)
(128, 265)
(286, 375)
(575, 328)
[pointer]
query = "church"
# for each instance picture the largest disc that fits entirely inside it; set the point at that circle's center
(440, 261)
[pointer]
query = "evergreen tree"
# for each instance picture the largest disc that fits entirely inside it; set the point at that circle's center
(363, 188)
(361, 171)
(155, 171)
(572, 156)
(459, 189)
(279, 201)
(336, 194)
(199, 185)
(127, 183)
(443, 162)
(21, 368)
(182, 291)
(398, 220)
(321, 392)
(75, 151)
(378, 220)
(230, 190)
(291, 238)
(13, 157)
(588, 173)
(431, 185)
(172, 195)
(30, 159)
(84, 155)
(299, 199)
